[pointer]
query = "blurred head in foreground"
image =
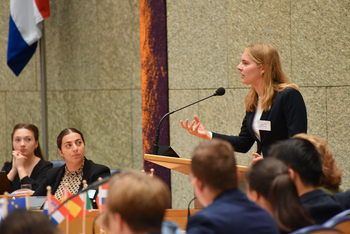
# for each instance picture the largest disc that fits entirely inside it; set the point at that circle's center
(136, 203)
(29, 222)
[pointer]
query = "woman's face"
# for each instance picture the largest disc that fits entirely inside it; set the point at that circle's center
(251, 73)
(24, 142)
(72, 148)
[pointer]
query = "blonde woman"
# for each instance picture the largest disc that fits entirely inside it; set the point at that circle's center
(275, 109)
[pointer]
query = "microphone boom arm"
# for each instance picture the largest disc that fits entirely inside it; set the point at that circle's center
(155, 146)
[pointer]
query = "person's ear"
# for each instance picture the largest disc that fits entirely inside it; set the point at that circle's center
(115, 223)
(262, 70)
(253, 195)
(60, 152)
(198, 183)
(36, 144)
(292, 173)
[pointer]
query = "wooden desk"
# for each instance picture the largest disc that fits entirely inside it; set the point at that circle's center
(177, 216)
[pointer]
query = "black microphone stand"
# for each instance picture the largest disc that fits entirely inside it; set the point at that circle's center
(219, 91)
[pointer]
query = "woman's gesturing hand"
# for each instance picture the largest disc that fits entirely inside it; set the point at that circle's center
(196, 128)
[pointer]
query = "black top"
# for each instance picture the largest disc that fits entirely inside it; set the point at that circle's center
(321, 205)
(287, 117)
(37, 176)
(91, 172)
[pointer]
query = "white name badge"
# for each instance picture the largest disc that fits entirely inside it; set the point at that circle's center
(264, 125)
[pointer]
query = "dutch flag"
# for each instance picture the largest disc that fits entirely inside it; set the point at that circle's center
(24, 31)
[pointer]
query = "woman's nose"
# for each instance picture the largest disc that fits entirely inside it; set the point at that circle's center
(239, 67)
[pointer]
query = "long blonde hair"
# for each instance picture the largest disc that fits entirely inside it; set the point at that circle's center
(274, 80)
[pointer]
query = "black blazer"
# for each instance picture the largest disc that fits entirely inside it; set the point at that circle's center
(91, 172)
(232, 212)
(321, 205)
(287, 117)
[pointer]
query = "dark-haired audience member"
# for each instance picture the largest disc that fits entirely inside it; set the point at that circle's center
(227, 209)
(303, 159)
(28, 222)
(28, 165)
(136, 203)
(71, 146)
(331, 177)
(270, 186)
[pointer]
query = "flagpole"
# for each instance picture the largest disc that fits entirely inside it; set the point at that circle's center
(48, 198)
(7, 201)
(65, 198)
(84, 208)
(44, 134)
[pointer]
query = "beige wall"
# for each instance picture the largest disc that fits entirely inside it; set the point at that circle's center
(205, 43)
(93, 80)
(93, 73)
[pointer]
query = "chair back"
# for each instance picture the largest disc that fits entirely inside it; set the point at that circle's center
(341, 223)
(317, 229)
(57, 163)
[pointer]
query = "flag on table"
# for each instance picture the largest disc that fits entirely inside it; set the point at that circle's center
(74, 206)
(3, 208)
(19, 203)
(57, 215)
(102, 196)
(88, 207)
(24, 31)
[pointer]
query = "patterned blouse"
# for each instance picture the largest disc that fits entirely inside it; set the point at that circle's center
(73, 179)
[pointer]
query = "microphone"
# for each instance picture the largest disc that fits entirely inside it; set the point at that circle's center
(219, 92)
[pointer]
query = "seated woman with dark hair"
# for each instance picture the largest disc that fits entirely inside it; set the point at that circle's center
(28, 165)
(270, 186)
(71, 146)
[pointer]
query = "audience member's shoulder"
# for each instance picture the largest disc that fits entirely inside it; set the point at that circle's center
(343, 199)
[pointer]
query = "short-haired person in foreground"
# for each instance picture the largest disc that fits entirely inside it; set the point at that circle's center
(227, 209)
(136, 203)
(301, 156)
(269, 185)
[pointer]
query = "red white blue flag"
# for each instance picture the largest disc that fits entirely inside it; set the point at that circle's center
(57, 216)
(102, 196)
(24, 31)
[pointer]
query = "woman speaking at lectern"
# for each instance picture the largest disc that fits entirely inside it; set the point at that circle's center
(275, 109)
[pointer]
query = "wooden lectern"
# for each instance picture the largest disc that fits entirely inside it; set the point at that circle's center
(183, 165)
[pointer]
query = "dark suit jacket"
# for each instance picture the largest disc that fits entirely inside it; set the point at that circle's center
(320, 205)
(232, 212)
(91, 172)
(287, 117)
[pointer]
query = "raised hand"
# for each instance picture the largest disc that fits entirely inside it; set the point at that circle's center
(258, 157)
(18, 159)
(196, 128)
